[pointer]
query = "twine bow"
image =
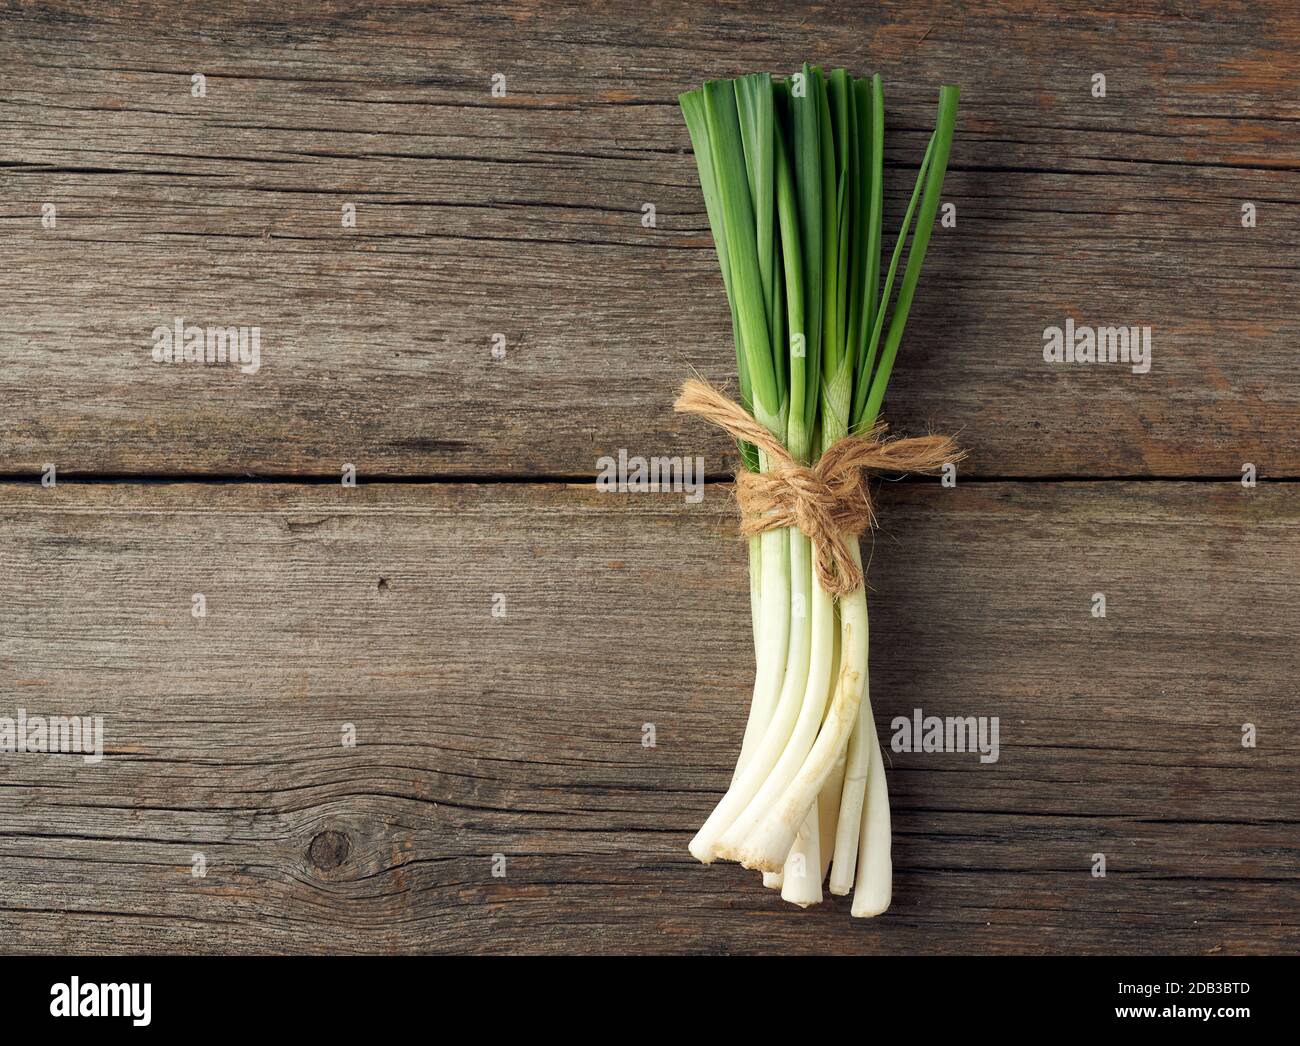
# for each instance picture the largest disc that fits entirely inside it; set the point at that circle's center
(829, 501)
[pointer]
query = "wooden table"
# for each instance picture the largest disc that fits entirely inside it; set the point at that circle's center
(355, 751)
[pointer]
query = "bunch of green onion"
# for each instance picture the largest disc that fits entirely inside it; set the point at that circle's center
(792, 177)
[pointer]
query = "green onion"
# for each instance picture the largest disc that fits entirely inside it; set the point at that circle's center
(791, 172)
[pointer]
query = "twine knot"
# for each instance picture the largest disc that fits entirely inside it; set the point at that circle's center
(829, 501)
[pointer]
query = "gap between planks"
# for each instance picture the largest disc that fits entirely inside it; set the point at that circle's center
(541, 479)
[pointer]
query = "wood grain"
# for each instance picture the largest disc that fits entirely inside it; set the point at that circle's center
(521, 735)
(522, 216)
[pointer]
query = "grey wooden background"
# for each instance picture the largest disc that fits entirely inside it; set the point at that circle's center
(521, 735)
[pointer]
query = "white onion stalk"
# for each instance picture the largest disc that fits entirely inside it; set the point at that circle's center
(804, 890)
(756, 768)
(812, 845)
(828, 811)
(849, 821)
(768, 844)
(874, 887)
(771, 880)
(782, 756)
(801, 877)
(755, 587)
(755, 614)
(828, 800)
(774, 637)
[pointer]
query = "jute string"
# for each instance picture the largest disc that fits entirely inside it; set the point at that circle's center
(829, 501)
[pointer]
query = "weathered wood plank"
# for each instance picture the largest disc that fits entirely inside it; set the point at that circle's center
(522, 216)
(522, 735)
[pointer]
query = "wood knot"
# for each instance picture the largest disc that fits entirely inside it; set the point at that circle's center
(328, 850)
